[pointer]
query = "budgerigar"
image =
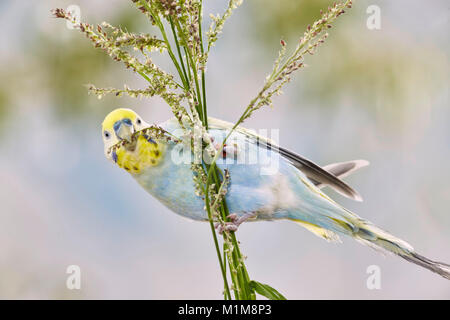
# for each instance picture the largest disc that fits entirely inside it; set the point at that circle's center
(279, 185)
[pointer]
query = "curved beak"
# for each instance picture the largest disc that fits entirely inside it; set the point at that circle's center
(124, 129)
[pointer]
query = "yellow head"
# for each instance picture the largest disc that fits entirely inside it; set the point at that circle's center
(118, 125)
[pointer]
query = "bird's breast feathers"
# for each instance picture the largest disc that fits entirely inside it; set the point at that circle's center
(134, 158)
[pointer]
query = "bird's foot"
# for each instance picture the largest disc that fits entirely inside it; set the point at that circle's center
(226, 226)
(234, 223)
(230, 151)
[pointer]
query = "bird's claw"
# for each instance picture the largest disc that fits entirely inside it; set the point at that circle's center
(227, 226)
(227, 150)
(232, 225)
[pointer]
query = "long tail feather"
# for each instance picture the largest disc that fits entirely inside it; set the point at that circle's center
(317, 212)
(379, 239)
(440, 268)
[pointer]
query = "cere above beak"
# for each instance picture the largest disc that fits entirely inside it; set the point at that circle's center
(124, 129)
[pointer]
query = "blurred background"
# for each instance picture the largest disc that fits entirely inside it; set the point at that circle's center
(380, 95)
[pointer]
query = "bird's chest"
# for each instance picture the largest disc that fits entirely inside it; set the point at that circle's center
(173, 186)
(143, 154)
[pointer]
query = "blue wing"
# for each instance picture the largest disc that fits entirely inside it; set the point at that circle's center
(262, 181)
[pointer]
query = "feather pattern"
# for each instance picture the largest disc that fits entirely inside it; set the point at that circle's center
(312, 170)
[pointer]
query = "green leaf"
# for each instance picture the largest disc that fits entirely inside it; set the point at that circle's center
(266, 290)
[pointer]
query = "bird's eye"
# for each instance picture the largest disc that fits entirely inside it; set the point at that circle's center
(138, 121)
(106, 133)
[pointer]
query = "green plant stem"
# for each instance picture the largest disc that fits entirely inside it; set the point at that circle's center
(241, 280)
(224, 259)
(179, 53)
(188, 66)
(238, 272)
(224, 207)
(224, 214)
(199, 107)
(191, 65)
(216, 244)
(166, 40)
(205, 111)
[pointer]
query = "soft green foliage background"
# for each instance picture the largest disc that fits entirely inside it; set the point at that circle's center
(378, 95)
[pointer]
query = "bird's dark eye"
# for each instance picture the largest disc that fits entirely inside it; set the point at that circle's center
(106, 133)
(138, 121)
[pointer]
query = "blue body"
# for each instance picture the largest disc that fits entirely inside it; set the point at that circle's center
(264, 182)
